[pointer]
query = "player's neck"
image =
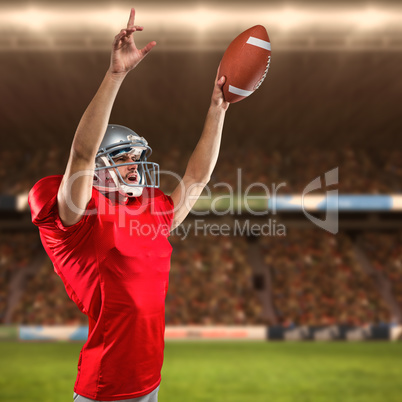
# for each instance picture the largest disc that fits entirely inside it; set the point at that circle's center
(117, 198)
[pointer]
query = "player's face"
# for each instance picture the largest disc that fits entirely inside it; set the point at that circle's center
(129, 173)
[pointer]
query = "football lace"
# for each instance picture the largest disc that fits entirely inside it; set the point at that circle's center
(265, 73)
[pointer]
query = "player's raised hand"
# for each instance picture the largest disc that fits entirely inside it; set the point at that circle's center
(125, 55)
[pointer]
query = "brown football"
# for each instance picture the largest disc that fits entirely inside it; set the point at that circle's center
(245, 63)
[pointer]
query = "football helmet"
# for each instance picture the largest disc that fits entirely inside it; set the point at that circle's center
(118, 141)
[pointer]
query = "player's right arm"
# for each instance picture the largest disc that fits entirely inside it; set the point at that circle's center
(76, 187)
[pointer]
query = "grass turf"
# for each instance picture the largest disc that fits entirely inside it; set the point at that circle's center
(223, 371)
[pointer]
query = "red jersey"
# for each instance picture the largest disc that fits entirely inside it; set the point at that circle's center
(114, 264)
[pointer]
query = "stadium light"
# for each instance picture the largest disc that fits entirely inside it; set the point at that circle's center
(203, 26)
(202, 17)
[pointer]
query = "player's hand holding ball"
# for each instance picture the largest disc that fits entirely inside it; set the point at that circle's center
(217, 98)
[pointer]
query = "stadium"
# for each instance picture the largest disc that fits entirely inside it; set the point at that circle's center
(286, 278)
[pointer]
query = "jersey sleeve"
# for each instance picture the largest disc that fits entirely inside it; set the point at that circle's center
(42, 200)
(66, 246)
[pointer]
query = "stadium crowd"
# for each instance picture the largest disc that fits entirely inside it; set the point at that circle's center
(211, 282)
(17, 251)
(316, 280)
(361, 171)
(385, 251)
(45, 302)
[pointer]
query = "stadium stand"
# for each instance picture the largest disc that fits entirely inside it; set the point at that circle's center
(316, 281)
(362, 171)
(318, 120)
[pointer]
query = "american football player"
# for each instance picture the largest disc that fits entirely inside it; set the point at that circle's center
(118, 276)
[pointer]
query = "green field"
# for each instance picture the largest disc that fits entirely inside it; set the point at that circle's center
(224, 371)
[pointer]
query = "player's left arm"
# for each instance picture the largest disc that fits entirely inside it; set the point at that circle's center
(203, 159)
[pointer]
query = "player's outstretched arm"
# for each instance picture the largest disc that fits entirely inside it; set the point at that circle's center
(203, 159)
(76, 188)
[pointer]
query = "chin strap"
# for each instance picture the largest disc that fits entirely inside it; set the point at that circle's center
(130, 191)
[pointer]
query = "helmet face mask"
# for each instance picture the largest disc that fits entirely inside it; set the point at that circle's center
(121, 142)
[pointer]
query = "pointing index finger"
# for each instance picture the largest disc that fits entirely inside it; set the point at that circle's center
(130, 22)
